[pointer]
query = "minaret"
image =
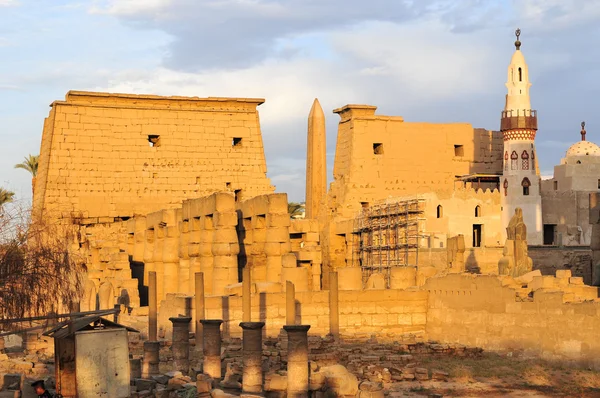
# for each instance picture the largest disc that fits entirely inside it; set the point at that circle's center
(316, 163)
(520, 180)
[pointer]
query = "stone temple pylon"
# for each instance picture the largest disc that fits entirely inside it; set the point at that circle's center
(316, 160)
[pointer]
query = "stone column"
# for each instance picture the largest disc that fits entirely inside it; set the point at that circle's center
(151, 359)
(246, 295)
(152, 318)
(181, 344)
(290, 303)
(212, 347)
(252, 357)
(334, 314)
(297, 367)
(199, 296)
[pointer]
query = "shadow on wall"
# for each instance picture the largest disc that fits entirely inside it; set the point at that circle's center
(471, 264)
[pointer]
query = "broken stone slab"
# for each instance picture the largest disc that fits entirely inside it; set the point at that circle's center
(218, 393)
(439, 375)
(527, 278)
(161, 379)
(144, 385)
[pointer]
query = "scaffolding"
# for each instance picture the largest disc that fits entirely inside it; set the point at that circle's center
(387, 235)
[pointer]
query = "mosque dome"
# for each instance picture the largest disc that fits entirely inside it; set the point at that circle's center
(583, 148)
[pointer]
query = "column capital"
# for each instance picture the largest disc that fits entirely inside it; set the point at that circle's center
(180, 319)
(252, 325)
(211, 322)
(296, 328)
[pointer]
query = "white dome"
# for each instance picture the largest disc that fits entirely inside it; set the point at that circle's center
(583, 148)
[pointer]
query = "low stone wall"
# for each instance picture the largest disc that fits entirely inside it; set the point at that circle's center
(552, 317)
(384, 313)
(479, 311)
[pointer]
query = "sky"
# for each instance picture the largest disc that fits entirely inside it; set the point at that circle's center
(425, 60)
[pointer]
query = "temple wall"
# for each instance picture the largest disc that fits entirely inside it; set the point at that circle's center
(106, 156)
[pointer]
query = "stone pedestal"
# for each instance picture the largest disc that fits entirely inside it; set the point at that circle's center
(252, 357)
(181, 344)
(151, 359)
(297, 368)
(212, 347)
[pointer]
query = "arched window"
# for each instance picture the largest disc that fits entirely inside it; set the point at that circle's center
(525, 160)
(533, 160)
(505, 186)
(506, 161)
(440, 211)
(520, 75)
(477, 211)
(514, 160)
(525, 184)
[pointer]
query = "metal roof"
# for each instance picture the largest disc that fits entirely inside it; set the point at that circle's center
(66, 328)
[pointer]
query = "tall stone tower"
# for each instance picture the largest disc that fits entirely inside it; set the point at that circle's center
(520, 184)
(316, 160)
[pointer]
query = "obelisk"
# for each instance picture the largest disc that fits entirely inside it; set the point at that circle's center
(316, 162)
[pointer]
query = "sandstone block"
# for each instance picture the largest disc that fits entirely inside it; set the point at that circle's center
(576, 280)
(563, 273)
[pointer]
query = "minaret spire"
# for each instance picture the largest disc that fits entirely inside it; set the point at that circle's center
(518, 42)
(583, 132)
(520, 178)
(316, 166)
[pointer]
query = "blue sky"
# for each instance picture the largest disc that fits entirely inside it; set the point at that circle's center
(425, 60)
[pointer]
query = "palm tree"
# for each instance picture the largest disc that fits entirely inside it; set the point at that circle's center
(31, 165)
(6, 196)
(295, 209)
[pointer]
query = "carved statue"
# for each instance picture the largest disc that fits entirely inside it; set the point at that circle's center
(456, 254)
(515, 261)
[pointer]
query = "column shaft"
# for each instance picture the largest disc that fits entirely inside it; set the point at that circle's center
(212, 347)
(290, 303)
(152, 319)
(334, 314)
(246, 295)
(181, 344)
(151, 359)
(297, 360)
(252, 380)
(199, 287)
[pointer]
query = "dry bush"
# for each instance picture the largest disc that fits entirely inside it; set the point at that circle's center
(38, 273)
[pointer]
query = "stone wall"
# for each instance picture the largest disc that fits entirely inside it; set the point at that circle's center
(384, 313)
(560, 320)
(578, 260)
(215, 235)
(105, 156)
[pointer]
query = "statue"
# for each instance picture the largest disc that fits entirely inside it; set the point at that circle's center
(515, 260)
(456, 254)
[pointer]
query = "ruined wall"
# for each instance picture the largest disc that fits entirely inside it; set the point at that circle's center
(215, 235)
(105, 156)
(559, 322)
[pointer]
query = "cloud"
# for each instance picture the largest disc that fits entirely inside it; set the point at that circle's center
(9, 3)
(241, 33)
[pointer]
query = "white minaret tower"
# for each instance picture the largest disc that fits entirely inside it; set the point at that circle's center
(520, 183)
